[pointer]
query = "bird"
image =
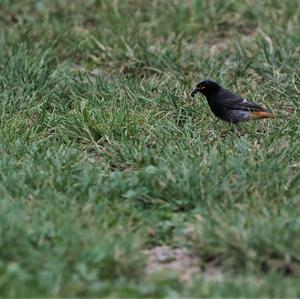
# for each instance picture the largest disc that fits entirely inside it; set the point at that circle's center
(228, 106)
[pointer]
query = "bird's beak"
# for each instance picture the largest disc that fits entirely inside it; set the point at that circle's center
(196, 90)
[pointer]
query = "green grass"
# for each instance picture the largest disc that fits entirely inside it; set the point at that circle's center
(102, 144)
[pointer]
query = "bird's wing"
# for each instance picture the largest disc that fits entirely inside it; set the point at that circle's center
(234, 102)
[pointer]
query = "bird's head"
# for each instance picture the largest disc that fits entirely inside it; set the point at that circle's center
(206, 87)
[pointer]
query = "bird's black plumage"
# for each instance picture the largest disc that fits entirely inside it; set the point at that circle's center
(228, 106)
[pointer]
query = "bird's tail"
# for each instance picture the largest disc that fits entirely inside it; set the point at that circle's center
(262, 114)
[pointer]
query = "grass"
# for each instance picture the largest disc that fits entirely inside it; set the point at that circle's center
(103, 153)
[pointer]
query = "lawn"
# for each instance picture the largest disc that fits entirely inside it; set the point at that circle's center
(114, 182)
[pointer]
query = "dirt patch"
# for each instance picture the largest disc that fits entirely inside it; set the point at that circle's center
(180, 261)
(218, 47)
(247, 29)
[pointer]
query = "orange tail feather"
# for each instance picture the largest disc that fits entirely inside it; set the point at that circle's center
(261, 114)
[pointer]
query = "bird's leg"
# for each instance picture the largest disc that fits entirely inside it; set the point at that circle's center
(225, 131)
(238, 129)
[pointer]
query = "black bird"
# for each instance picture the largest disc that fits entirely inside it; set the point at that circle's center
(228, 106)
